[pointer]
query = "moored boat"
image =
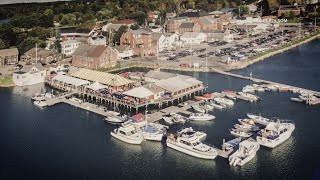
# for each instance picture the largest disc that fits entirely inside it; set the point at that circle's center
(259, 119)
(224, 101)
(38, 97)
(246, 152)
(201, 135)
(201, 117)
(240, 133)
(296, 99)
(168, 120)
(178, 117)
(127, 133)
(231, 144)
(40, 104)
(152, 132)
(115, 119)
(275, 133)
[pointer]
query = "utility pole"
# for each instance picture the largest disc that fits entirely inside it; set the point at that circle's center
(315, 24)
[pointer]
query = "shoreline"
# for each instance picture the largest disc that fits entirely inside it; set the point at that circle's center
(240, 65)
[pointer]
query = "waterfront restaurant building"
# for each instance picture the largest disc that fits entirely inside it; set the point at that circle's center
(68, 83)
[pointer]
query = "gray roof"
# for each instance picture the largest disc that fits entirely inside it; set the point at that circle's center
(159, 75)
(27, 68)
(9, 52)
(121, 48)
(94, 51)
(177, 83)
(186, 25)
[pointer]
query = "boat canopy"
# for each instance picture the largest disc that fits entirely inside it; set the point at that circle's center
(272, 126)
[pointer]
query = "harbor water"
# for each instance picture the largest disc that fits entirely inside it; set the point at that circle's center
(64, 142)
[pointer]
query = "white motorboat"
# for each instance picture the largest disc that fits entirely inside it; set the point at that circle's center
(231, 96)
(40, 104)
(168, 120)
(190, 144)
(178, 117)
(248, 88)
(152, 132)
(38, 97)
(248, 96)
(260, 89)
(224, 101)
(246, 152)
(296, 99)
(49, 95)
(231, 144)
(240, 133)
(113, 113)
(259, 119)
(247, 127)
(246, 121)
(201, 117)
(271, 87)
(115, 119)
(201, 135)
(217, 106)
(127, 133)
(275, 133)
(198, 108)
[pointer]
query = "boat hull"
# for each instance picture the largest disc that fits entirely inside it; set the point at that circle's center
(191, 153)
(136, 141)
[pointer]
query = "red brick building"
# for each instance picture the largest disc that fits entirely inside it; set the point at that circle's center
(189, 27)
(140, 41)
(94, 57)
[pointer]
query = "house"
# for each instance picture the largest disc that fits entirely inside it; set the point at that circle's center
(152, 16)
(207, 23)
(283, 9)
(223, 21)
(225, 36)
(189, 27)
(193, 38)
(40, 55)
(123, 52)
(94, 56)
(171, 15)
(97, 38)
(165, 41)
(69, 46)
(29, 75)
(172, 25)
(9, 56)
(140, 41)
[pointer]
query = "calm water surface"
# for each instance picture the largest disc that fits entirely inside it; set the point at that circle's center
(63, 142)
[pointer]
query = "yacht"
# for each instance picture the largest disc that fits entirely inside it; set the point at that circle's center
(168, 120)
(246, 121)
(40, 104)
(296, 99)
(49, 95)
(231, 144)
(224, 101)
(201, 117)
(249, 96)
(178, 117)
(191, 145)
(201, 135)
(247, 89)
(247, 127)
(113, 113)
(240, 133)
(247, 151)
(38, 97)
(271, 87)
(115, 119)
(152, 132)
(275, 133)
(127, 133)
(216, 106)
(259, 119)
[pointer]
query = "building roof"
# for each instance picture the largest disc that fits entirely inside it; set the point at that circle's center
(101, 77)
(121, 48)
(159, 75)
(68, 42)
(186, 25)
(70, 80)
(125, 21)
(141, 31)
(177, 83)
(27, 68)
(191, 35)
(96, 86)
(139, 92)
(40, 52)
(94, 51)
(9, 52)
(154, 88)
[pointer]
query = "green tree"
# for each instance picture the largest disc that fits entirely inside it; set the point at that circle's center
(119, 33)
(2, 44)
(312, 14)
(135, 27)
(68, 19)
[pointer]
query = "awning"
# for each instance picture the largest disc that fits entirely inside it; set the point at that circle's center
(139, 92)
(96, 86)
